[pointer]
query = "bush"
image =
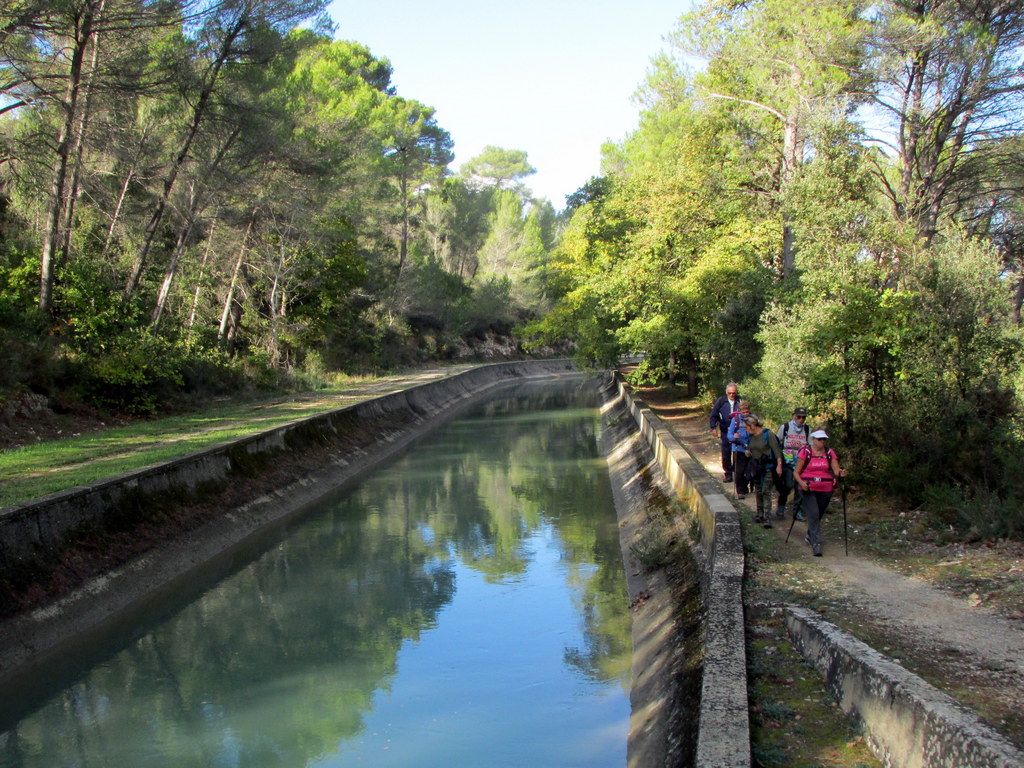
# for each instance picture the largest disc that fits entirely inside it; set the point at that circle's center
(135, 373)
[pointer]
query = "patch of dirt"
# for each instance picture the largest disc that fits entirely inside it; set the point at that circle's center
(951, 614)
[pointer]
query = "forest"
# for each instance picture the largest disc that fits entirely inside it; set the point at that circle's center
(823, 201)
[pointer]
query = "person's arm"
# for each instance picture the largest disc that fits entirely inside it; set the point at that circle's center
(776, 445)
(715, 419)
(836, 471)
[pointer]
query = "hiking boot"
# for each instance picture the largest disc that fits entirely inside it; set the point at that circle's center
(741, 496)
(727, 478)
(780, 513)
(799, 516)
(807, 538)
(766, 521)
(816, 549)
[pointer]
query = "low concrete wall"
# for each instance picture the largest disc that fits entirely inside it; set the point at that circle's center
(908, 722)
(724, 740)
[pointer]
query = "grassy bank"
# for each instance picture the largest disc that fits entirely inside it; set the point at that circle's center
(63, 459)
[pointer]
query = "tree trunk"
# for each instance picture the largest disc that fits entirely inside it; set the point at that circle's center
(229, 299)
(58, 180)
(77, 150)
(199, 281)
(184, 235)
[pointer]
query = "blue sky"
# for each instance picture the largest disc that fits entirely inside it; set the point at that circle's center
(552, 77)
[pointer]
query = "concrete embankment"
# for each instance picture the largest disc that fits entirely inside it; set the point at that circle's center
(344, 443)
(724, 730)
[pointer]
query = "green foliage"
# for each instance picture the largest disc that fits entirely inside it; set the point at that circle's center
(497, 167)
(135, 373)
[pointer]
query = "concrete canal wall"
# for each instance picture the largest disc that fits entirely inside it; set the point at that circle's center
(346, 443)
(33, 533)
(724, 729)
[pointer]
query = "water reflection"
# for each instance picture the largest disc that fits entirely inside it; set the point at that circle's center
(464, 606)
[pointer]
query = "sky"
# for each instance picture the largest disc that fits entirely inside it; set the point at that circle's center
(554, 78)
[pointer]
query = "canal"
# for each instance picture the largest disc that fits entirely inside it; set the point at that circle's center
(464, 605)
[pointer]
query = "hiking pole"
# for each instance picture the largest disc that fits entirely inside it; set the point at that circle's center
(842, 491)
(791, 524)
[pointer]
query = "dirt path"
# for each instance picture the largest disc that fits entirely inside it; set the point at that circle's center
(971, 652)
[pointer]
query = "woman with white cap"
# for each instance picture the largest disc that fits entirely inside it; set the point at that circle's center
(817, 471)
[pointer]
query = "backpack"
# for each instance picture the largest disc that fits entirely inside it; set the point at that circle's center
(757, 467)
(785, 432)
(830, 456)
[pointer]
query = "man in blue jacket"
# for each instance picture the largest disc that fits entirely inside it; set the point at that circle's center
(721, 414)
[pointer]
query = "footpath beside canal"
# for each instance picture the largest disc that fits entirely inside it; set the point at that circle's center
(907, 721)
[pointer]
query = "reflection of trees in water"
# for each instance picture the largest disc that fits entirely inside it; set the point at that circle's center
(317, 621)
(511, 471)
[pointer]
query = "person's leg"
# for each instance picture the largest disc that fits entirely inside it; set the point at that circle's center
(763, 497)
(784, 485)
(819, 503)
(727, 463)
(798, 503)
(739, 469)
(810, 509)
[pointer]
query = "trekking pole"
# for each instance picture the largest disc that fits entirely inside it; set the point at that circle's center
(842, 491)
(791, 524)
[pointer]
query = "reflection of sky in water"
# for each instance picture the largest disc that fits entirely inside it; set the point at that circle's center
(499, 649)
(464, 606)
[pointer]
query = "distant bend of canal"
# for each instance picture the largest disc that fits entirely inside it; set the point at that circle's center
(464, 605)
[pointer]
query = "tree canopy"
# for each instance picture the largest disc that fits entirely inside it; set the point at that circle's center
(823, 203)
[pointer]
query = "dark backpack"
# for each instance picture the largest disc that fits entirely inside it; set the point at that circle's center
(757, 467)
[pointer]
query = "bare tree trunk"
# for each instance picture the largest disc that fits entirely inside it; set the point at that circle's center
(202, 272)
(184, 235)
(77, 151)
(229, 299)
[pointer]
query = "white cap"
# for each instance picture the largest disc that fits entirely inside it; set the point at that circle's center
(820, 434)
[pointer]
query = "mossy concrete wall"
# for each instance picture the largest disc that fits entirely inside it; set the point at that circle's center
(909, 723)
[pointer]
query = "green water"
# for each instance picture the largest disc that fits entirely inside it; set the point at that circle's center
(463, 606)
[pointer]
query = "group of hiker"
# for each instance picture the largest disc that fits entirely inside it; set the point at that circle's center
(796, 461)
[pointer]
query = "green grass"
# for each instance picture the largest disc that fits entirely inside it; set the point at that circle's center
(37, 470)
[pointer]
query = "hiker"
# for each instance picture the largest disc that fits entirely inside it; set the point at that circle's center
(737, 436)
(793, 435)
(764, 453)
(817, 471)
(721, 415)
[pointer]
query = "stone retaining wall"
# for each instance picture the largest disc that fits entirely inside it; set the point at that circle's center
(908, 722)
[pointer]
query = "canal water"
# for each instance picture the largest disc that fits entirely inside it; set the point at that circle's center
(464, 605)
